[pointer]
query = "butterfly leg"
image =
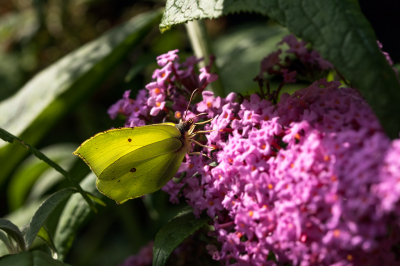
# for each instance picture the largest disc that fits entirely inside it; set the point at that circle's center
(205, 131)
(199, 153)
(198, 143)
(204, 122)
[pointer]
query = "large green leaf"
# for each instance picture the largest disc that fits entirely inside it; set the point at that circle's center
(336, 28)
(74, 214)
(173, 233)
(43, 212)
(35, 258)
(56, 90)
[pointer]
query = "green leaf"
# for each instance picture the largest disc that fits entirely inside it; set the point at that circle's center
(20, 218)
(10, 138)
(96, 199)
(43, 212)
(45, 236)
(74, 214)
(7, 243)
(239, 53)
(55, 91)
(13, 231)
(202, 48)
(173, 233)
(336, 28)
(33, 169)
(35, 258)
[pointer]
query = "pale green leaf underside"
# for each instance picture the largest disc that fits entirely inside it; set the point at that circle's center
(336, 28)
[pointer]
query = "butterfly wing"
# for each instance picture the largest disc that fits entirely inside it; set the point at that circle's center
(142, 171)
(101, 150)
(131, 162)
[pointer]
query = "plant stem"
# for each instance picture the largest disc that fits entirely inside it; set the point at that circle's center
(202, 48)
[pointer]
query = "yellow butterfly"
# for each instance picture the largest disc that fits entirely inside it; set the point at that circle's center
(131, 162)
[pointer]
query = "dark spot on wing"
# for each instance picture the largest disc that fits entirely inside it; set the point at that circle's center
(133, 170)
(119, 181)
(113, 178)
(129, 140)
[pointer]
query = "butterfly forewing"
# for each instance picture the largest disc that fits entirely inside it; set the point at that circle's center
(100, 151)
(138, 162)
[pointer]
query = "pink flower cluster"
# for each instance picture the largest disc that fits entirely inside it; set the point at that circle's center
(170, 85)
(143, 258)
(312, 179)
(311, 59)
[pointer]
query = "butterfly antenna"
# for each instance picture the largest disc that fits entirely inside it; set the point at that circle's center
(191, 96)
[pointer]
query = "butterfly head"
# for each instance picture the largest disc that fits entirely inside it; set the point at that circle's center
(185, 126)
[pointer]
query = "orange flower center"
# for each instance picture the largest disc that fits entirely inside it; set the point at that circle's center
(336, 233)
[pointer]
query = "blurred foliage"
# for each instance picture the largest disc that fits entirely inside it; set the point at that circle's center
(34, 35)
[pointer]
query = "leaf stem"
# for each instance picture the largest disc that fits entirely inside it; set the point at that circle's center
(201, 45)
(6, 136)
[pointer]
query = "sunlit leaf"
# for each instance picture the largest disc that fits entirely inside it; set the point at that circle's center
(45, 236)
